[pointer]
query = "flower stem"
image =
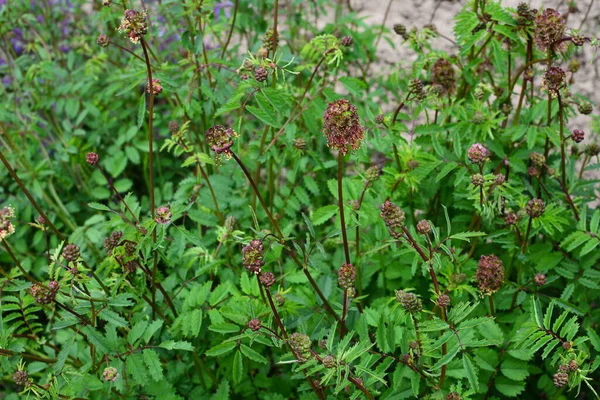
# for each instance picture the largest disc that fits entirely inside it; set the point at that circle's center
(291, 251)
(151, 164)
(344, 237)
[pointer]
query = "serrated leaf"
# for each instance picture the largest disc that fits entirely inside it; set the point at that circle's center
(222, 391)
(321, 215)
(446, 169)
(224, 327)
(62, 356)
(112, 317)
(548, 316)
(221, 349)
(135, 366)
(447, 358)
(514, 369)
(594, 338)
(98, 206)
(509, 387)
(96, 339)
(267, 118)
(153, 363)
(137, 331)
(173, 345)
(252, 354)
(466, 236)
(238, 367)
(151, 330)
(470, 372)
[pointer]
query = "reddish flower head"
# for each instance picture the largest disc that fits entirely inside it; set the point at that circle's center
(478, 153)
(220, 139)
(490, 274)
(156, 86)
(252, 256)
(133, 25)
(342, 126)
(163, 215)
(549, 30)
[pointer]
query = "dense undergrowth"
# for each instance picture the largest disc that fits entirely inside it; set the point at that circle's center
(237, 199)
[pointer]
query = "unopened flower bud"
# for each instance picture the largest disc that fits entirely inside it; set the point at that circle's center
(578, 135)
(393, 217)
(347, 41)
(103, 40)
(585, 107)
(423, 227)
(477, 180)
(92, 158)
(539, 279)
(267, 279)
(535, 208)
(254, 324)
(560, 379)
(409, 301)
(443, 301)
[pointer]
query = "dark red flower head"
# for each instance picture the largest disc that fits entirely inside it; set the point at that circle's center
(341, 126)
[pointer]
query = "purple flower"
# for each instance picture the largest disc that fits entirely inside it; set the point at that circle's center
(222, 6)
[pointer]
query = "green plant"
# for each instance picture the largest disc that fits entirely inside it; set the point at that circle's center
(207, 199)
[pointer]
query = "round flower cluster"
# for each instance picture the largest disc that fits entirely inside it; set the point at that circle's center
(346, 276)
(341, 126)
(554, 80)
(6, 227)
(578, 135)
(393, 217)
(490, 274)
(92, 158)
(21, 378)
(156, 87)
(442, 74)
(163, 215)
(300, 344)
(535, 208)
(267, 279)
(43, 295)
(252, 256)
(477, 153)
(549, 30)
(443, 301)
(113, 241)
(110, 374)
(134, 25)
(423, 227)
(71, 252)
(539, 279)
(409, 301)
(254, 324)
(537, 159)
(220, 139)
(477, 180)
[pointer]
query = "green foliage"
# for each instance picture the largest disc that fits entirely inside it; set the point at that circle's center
(206, 241)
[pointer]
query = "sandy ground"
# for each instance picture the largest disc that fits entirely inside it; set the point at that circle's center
(417, 13)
